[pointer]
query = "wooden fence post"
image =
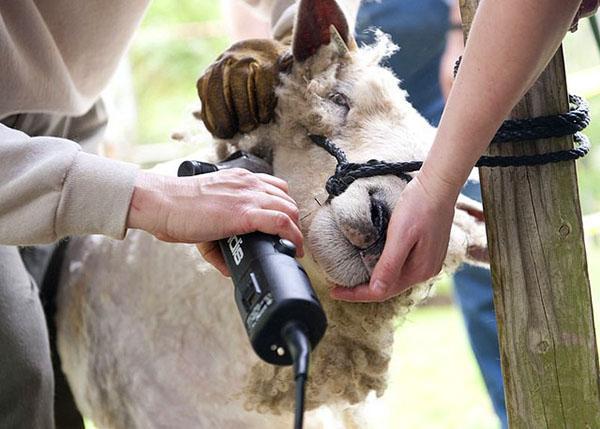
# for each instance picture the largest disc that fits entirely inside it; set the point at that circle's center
(539, 271)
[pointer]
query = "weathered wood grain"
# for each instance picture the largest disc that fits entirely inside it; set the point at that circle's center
(539, 270)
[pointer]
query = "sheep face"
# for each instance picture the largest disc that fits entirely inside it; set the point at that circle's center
(345, 94)
(360, 107)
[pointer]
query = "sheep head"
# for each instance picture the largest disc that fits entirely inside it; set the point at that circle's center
(335, 89)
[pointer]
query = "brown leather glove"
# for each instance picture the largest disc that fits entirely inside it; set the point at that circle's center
(237, 90)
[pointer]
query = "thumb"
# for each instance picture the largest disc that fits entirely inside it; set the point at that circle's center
(388, 270)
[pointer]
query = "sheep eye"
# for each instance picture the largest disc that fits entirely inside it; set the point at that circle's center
(340, 99)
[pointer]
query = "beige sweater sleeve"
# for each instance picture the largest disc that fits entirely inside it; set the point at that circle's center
(281, 13)
(50, 188)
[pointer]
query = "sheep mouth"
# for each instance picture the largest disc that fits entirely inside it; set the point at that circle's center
(348, 272)
(368, 257)
(342, 263)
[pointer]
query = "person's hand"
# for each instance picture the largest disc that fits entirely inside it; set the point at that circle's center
(211, 252)
(415, 248)
(212, 206)
(237, 90)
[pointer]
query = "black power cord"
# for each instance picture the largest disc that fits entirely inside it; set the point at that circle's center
(294, 335)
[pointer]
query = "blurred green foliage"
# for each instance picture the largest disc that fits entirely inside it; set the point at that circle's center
(165, 12)
(588, 168)
(176, 42)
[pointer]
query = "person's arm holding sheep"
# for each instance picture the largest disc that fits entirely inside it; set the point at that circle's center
(510, 43)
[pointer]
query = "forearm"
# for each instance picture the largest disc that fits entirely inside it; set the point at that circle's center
(509, 45)
(50, 189)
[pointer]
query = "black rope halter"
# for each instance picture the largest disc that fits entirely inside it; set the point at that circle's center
(513, 130)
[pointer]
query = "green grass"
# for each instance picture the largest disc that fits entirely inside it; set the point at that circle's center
(165, 12)
(593, 256)
(434, 380)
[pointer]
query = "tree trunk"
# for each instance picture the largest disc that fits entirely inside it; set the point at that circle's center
(539, 271)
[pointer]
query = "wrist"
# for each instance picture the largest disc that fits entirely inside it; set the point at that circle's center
(439, 185)
(147, 202)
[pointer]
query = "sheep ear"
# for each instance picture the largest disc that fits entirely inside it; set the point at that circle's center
(321, 23)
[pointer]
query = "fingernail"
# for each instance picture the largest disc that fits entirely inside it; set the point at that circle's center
(379, 285)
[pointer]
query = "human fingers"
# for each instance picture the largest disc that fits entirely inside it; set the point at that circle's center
(274, 186)
(277, 192)
(211, 252)
(276, 223)
(386, 276)
(275, 181)
(275, 202)
(386, 281)
(265, 183)
(425, 261)
(360, 293)
(401, 239)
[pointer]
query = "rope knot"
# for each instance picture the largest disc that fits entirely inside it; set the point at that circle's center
(335, 186)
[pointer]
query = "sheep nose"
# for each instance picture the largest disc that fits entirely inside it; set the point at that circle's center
(380, 216)
(370, 232)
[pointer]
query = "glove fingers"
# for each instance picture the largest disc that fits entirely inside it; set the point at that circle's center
(265, 81)
(264, 84)
(237, 91)
(217, 104)
(244, 94)
(205, 114)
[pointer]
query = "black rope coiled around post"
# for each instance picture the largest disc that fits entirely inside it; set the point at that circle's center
(543, 127)
(513, 130)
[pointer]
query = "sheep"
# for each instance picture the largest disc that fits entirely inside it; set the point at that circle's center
(148, 332)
